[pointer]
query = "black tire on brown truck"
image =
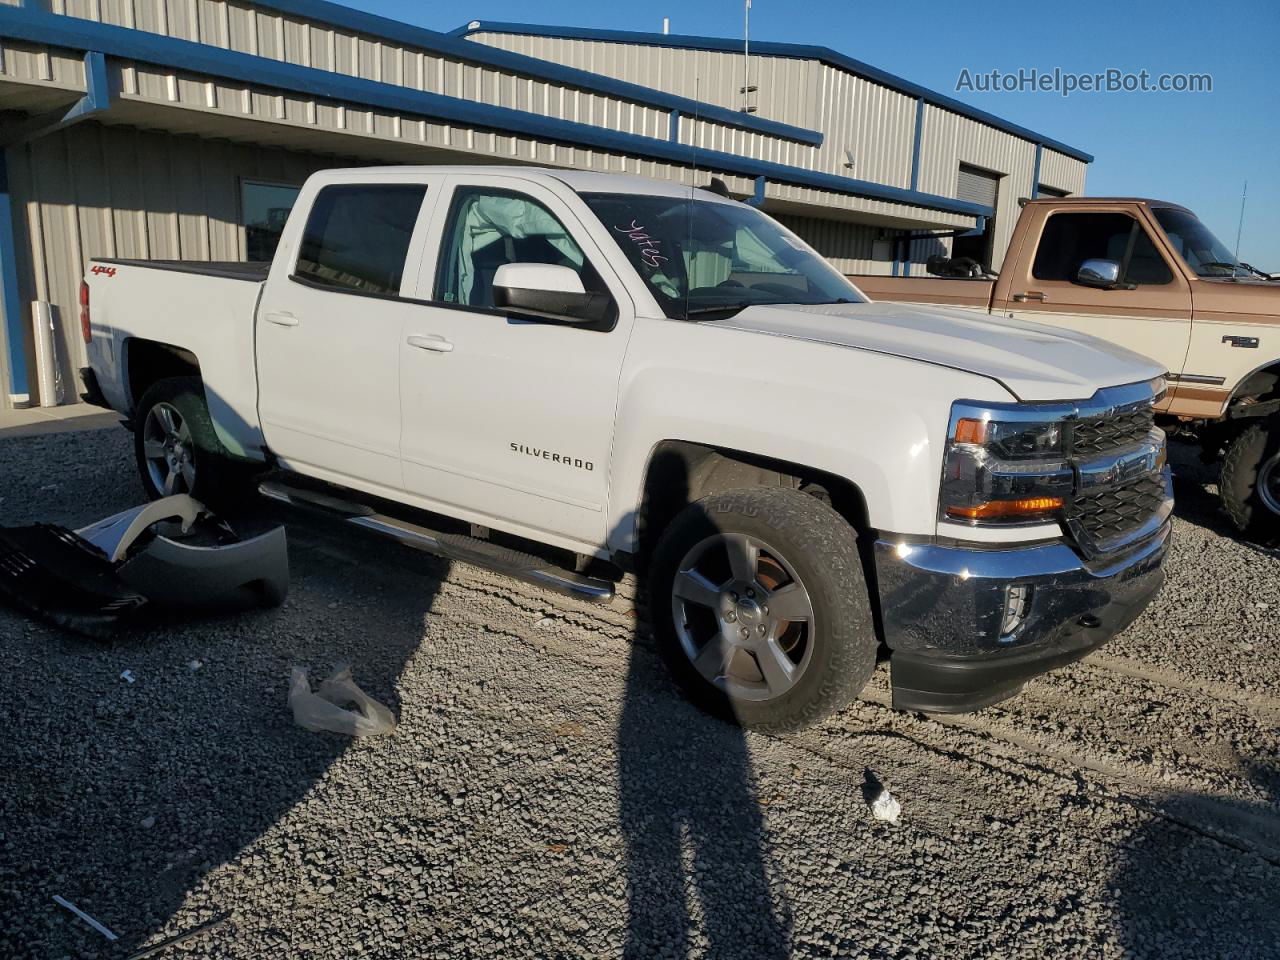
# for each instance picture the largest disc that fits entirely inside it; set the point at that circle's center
(1250, 483)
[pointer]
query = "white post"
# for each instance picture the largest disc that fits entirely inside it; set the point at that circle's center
(48, 376)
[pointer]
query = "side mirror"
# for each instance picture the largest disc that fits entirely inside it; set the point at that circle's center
(544, 291)
(1099, 273)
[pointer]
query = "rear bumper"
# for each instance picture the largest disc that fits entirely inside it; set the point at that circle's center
(949, 614)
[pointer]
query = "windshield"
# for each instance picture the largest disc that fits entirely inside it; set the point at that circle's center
(702, 259)
(1205, 254)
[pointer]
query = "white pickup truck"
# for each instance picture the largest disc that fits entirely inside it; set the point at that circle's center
(559, 373)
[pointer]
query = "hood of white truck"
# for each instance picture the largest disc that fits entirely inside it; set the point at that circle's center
(1035, 362)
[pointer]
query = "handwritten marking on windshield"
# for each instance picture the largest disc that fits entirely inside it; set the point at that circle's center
(650, 249)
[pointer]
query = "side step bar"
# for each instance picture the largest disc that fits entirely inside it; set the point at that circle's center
(452, 546)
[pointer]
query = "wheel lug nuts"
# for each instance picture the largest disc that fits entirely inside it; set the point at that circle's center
(731, 616)
(745, 633)
(733, 597)
(761, 629)
(751, 593)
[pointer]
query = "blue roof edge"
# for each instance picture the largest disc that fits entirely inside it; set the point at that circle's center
(769, 48)
(34, 25)
(452, 44)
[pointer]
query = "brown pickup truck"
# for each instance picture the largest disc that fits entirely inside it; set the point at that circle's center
(1147, 275)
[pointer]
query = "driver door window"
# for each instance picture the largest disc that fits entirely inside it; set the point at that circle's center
(1152, 317)
(487, 229)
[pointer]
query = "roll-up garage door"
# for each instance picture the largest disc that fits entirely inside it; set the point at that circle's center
(977, 186)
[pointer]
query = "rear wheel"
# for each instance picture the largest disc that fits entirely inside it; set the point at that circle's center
(761, 609)
(1250, 484)
(177, 448)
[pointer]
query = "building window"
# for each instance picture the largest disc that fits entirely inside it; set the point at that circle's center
(357, 237)
(264, 207)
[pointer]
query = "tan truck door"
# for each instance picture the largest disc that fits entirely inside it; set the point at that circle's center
(1148, 311)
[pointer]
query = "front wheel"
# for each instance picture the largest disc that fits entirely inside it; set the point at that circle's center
(177, 448)
(760, 607)
(1250, 484)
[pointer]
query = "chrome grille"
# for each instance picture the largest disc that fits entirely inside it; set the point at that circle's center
(1096, 436)
(1110, 515)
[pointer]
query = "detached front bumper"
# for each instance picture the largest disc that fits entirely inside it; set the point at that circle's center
(967, 627)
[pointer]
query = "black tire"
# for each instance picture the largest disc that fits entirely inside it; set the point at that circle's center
(822, 550)
(1255, 448)
(219, 479)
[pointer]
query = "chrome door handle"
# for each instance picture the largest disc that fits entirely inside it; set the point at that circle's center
(1029, 295)
(433, 342)
(283, 319)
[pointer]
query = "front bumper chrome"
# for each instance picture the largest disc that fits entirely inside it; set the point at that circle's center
(966, 627)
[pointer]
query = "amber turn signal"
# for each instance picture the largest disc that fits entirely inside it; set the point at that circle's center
(971, 431)
(1030, 508)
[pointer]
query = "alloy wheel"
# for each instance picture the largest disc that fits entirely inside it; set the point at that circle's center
(743, 617)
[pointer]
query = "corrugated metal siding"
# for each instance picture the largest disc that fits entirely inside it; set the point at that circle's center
(268, 33)
(706, 75)
(28, 62)
(849, 246)
(949, 140)
(97, 191)
(875, 122)
(1063, 172)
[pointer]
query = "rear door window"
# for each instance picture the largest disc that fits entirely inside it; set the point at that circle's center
(357, 237)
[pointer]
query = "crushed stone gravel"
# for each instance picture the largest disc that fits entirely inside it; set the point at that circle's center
(547, 793)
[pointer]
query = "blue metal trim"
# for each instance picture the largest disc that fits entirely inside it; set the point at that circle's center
(675, 126)
(1035, 174)
(454, 45)
(978, 229)
(915, 150)
(9, 301)
(795, 51)
(39, 27)
(757, 199)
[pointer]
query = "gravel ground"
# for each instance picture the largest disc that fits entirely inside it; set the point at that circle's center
(548, 793)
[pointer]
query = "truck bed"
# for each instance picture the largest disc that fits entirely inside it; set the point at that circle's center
(253, 271)
(974, 294)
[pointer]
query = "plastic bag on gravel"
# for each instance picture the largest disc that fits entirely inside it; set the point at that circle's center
(325, 709)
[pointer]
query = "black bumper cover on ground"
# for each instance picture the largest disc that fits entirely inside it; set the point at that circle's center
(942, 609)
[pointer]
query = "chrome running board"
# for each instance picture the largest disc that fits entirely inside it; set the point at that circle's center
(451, 546)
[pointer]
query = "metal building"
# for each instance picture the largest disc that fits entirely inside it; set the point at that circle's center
(180, 129)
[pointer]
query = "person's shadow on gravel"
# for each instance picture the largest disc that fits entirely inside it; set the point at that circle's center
(1201, 877)
(697, 853)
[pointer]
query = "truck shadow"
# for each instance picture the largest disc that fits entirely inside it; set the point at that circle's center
(1202, 877)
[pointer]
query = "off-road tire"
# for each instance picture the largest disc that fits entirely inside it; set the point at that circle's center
(1252, 447)
(823, 549)
(220, 479)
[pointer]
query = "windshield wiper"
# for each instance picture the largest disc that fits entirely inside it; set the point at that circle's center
(1233, 267)
(721, 308)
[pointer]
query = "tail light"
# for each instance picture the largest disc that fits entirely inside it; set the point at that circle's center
(85, 330)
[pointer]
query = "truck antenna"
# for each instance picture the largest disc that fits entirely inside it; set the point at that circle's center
(1240, 226)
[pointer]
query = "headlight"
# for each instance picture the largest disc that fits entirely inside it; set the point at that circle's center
(1005, 465)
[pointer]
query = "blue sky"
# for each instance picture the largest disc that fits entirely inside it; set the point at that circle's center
(1192, 148)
